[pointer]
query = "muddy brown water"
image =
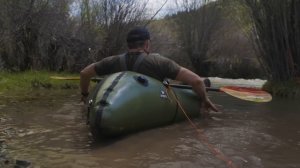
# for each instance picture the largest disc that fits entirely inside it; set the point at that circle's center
(50, 131)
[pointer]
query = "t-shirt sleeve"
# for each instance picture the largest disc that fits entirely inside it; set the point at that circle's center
(168, 67)
(106, 65)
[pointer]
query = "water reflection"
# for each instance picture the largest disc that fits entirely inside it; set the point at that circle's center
(51, 132)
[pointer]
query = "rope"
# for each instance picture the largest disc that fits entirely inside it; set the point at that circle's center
(202, 137)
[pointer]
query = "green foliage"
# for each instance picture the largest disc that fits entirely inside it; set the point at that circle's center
(236, 11)
(214, 41)
(277, 37)
(33, 34)
(42, 35)
(286, 89)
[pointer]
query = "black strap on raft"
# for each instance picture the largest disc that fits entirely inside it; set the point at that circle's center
(103, 101)
(136, 65)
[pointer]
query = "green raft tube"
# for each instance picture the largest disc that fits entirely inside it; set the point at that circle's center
(127, 102)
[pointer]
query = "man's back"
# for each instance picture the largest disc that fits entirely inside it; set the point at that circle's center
(152, 65)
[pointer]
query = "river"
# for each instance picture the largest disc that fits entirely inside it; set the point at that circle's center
(49, 130)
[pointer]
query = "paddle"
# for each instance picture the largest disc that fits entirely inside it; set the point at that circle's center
(244, 93)
(65, 78)
(96, 79)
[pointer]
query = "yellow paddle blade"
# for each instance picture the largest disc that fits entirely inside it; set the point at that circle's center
(65, 78)
(96, 79)
(249, 94)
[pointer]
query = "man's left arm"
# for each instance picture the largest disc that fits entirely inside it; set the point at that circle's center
(189, 77)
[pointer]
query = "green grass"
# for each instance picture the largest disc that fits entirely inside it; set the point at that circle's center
(34, 85)
(33, 80)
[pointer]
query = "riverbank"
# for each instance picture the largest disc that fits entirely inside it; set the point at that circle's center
(288, 89)
(20, 85)
(28, 80)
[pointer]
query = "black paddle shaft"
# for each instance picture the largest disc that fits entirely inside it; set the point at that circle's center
(190, 87)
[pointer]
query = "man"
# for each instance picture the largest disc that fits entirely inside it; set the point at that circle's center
(139, 59)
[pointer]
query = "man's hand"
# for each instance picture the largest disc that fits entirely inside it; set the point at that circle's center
(85, 75)
(206, 107)
(199, 87)
(84, 97)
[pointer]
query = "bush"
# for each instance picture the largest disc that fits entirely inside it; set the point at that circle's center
(288, 89)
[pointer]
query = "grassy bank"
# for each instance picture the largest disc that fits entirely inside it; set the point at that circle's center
(24, 84)
(21, 82)
(288, 89)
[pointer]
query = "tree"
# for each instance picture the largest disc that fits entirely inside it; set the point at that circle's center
(30, 31)
(196, 24)
(276, 33)
(110, 20)
(119, 17)
(41, 34)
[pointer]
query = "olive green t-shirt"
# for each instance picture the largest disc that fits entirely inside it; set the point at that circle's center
(153, 65)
